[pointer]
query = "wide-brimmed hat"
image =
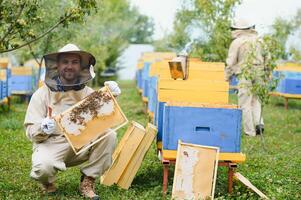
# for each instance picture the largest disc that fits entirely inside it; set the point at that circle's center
(87, 63)
(242, 24)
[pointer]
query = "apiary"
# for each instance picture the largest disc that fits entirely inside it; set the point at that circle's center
(203, 124)
(91, 119)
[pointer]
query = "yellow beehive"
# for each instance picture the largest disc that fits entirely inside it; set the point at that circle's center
(21, 71)
(197, 70)
(2, 75)
(193, 91)
(159, 55)
(140, 64)
(4, 62)
(293, 67)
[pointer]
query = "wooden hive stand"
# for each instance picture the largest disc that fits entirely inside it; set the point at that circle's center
(286, 97)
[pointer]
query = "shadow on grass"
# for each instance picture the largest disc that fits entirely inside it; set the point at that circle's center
(149, 177)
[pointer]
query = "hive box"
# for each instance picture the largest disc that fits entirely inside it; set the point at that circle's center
(129, 154)
(209, 125)
(190, 91)
(195, 172)
(199, 70)
(23, 80)
(152, 95)
(5, 78)
(91, 119)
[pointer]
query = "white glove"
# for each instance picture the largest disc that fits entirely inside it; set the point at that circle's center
(48, 125)
(114, 88)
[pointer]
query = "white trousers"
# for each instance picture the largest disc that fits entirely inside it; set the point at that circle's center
(251, 109)
(56, 154)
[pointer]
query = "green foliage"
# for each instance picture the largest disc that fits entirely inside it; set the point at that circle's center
(282, 29)
(258, 66)
(276, 173)
(109, 31)
(24, 22)
(211, 20)
(105, 31)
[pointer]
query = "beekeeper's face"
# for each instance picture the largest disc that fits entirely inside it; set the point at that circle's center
(68, 65)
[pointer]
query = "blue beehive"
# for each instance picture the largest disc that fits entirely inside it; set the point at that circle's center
(152, 94)
(159, 119)
(23, 84)
(1, 90)
(219, 127)
(290, 86)
(139, 78)
(5, 78)
(289, 83)
(145, 77)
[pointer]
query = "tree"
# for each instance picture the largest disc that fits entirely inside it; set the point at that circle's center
(26, 21)
(282, 29)
(210, 19)
(259, 80)
(110, 30)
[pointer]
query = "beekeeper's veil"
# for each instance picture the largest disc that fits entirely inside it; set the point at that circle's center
(52, 75)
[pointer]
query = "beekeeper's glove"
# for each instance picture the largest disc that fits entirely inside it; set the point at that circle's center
(114, 88)
(48, 125)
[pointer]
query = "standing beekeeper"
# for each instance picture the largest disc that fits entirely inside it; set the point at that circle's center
(67, 73)
(244, 36)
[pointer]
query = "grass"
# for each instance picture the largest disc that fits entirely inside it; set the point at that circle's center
(275, 170)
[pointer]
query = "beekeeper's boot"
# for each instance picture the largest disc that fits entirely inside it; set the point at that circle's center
(259, 129)
(87, 187)
(49, 188)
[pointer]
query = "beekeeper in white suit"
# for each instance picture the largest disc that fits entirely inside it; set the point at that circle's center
(67, 73)
(244, 34)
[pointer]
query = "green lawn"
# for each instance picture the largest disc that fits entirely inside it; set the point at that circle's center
(275, 169)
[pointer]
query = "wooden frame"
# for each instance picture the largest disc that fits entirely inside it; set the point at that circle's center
(189, 182)
(132, 168)
(123, 154)
(94, 130)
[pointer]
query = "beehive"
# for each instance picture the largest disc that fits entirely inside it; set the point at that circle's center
(91, 119)
(4, 62)
(195, 172)
(198, 70)
(202, 91)
(23, 80)
(1, 97)
(289, 79)
(5, 83)
(203, 124)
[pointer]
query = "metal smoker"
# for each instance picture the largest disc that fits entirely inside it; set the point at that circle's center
(179, 66)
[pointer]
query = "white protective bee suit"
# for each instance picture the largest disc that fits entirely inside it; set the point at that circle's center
(249, 103)
(52, 152)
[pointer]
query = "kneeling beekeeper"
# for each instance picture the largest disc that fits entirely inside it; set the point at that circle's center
(67, 73)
